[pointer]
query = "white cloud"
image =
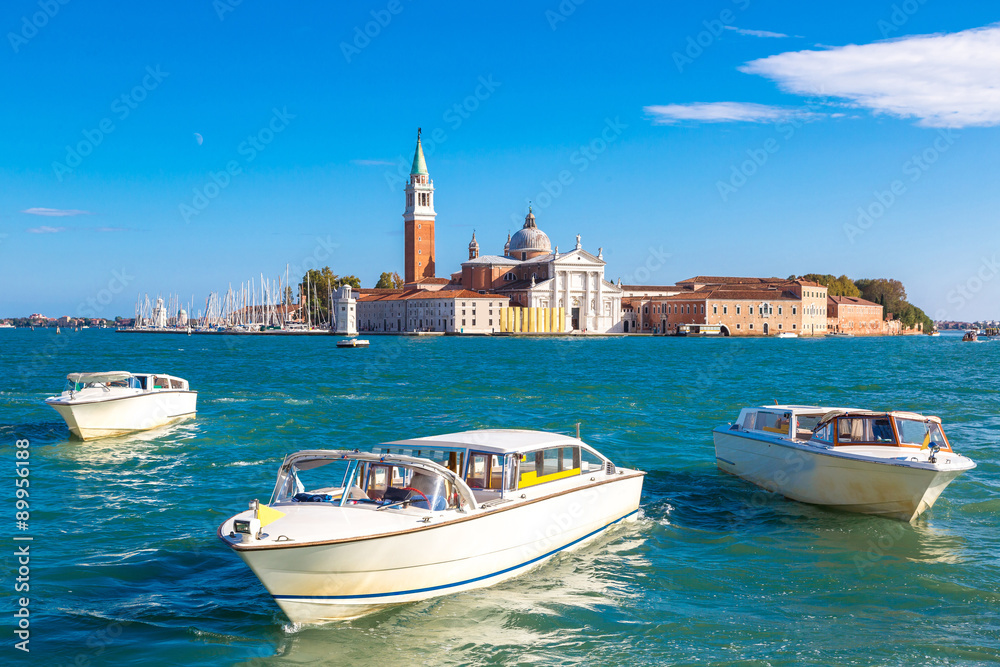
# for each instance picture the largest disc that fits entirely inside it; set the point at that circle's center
(55, 212)
(944, 80)
(755, 33)
(46, 230)
(722, 112)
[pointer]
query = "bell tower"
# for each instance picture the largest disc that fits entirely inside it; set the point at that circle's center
(418, 220)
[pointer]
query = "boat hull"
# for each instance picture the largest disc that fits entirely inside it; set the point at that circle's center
(117, 416)
(350, 578)
(818, 477)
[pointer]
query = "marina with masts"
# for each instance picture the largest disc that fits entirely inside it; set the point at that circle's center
(257, 306)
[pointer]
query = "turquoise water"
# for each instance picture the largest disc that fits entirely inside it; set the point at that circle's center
(126, 568)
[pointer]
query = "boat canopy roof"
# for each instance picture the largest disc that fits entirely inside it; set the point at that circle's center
(901, 414)
(498, 441)
(106, 376)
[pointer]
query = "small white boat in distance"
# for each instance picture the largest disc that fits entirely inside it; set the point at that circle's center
(352, 342)
(788, 334)
(346, 532)
(893, 464)
(98, 405)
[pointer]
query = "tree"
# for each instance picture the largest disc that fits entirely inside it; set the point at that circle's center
(389, 281)
(317, 289)
(886, 291)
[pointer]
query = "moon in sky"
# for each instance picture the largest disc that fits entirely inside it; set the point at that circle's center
(199, 138)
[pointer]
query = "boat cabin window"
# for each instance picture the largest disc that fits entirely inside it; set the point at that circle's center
(589, 461)
(485, 471)
(805, 425)
(824, 434)
(160, 382)
(548, 465)
(916, 432)
(772, 422)
(868, 430)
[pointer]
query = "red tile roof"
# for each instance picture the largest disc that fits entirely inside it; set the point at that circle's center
(852, 301)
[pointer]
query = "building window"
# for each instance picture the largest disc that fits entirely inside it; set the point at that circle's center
(491, 322)
(702, 309)
(737, 310)
(473, 322)
(725, 310)
(795, 310)
(779, 325)
(751, 325)
(794, 326)
(737, 326)
(715, 310)
(463, 323)
(779, 310)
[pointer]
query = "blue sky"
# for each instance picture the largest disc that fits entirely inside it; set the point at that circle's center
(720, 138)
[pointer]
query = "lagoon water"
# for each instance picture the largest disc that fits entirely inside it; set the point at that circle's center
(126, 568)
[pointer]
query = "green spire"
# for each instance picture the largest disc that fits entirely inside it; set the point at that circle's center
(419, 166)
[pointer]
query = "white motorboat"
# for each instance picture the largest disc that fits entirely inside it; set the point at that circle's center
(352, 342)
(425, 517)
(893, 464)
(788, 334)
(97, 405)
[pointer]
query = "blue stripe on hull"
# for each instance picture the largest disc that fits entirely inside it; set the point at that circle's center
(457, 583)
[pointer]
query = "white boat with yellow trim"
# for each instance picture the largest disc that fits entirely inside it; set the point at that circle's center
(893, 464)
(348, 532)
(98, 405)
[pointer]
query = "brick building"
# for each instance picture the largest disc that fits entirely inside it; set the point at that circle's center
(849, 314)
(745, 306)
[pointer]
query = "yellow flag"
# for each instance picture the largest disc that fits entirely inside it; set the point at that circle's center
(927, 440)
(268, 515)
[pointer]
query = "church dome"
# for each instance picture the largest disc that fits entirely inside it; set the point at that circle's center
(529, 238)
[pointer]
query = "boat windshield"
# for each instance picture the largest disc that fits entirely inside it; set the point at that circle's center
(373, 482)
(127, 383)
(865, 430)
(915, 432)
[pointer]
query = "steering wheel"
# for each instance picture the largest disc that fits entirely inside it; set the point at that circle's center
(426, 499)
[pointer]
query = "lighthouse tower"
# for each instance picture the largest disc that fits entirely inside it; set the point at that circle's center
(418, 220)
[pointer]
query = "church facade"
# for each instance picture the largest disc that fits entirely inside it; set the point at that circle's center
(534, 275)
(532, 287)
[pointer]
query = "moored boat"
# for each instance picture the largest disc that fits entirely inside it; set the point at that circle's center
(352, 342)
(893, 464)
(97, 405)
(787, 334)
(348, 532)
